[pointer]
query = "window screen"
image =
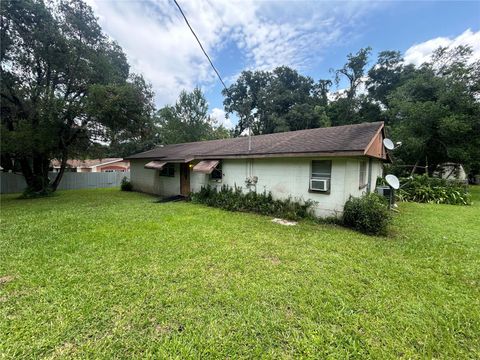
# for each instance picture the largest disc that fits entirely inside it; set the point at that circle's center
(168, 170)
(363, 173)
(321, 169)
(217, 172)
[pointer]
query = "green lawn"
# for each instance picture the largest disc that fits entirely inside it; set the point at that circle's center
(103, 273)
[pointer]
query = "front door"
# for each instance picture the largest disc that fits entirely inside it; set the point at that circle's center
(184, 179)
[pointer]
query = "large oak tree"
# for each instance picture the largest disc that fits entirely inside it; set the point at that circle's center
(188, 120)
(275, 101)
(436, 112)
(59, 70)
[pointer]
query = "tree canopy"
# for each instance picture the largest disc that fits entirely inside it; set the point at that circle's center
(433, 109)
(436, 113)
(280, 100)
(188, 120)
(65, 85)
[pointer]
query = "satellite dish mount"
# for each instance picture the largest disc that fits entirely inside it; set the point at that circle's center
(394, 184)
(389, 145)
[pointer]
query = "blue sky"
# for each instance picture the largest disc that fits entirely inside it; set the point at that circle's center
(311, 36)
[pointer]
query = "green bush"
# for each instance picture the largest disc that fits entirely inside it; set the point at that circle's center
(233, 199)
(368, 214)
(424, 189)
(126, 185)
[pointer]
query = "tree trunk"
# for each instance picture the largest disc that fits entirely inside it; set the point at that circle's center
(40, 171)
(59, 176)
(414, 168)
(35, 172)
(27, 172)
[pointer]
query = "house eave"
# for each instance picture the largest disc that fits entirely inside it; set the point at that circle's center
(340, 153)
(281, 155)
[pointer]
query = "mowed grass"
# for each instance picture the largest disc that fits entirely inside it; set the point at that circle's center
(108, 274)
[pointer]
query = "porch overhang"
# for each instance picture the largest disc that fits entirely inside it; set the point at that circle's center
(206, 166)
(155, 165)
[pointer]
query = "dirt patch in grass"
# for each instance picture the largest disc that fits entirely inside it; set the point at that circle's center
(64, 350)
(272, 259)
(166, 329)
(163, 329)
(6, 279)
(289, 313)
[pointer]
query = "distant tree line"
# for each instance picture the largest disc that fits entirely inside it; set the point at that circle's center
(185, 121)
(433, 109)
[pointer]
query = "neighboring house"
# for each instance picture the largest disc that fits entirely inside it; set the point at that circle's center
(451, 171)
(327, 165)
(94, 165)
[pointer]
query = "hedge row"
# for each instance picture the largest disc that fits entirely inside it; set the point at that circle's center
(425, 189)
(233, 199)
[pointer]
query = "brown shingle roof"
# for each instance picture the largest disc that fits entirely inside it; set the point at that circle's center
(347, 139)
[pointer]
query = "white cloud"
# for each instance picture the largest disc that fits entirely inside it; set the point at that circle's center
(420, 53)
(342, 92)
(156, 45)
(160, 46)
(219, 117)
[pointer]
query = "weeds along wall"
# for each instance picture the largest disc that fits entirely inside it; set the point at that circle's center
(234, 199)
(290, 178)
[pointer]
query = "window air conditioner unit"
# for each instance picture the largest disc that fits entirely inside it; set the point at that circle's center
(384, 191)
(320, 184)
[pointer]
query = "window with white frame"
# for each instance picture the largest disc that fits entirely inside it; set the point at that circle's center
(363, 174)
(321, 175)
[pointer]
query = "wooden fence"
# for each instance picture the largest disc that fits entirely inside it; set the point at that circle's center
(15, 183)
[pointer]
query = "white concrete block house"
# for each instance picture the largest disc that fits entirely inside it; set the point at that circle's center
(326, 165)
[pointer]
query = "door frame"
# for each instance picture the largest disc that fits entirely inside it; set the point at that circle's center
(184, 179)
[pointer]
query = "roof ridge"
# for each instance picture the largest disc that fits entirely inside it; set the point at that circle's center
(265, 135)
(334, 138)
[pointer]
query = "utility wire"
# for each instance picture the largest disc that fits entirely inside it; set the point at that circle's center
(201, 46)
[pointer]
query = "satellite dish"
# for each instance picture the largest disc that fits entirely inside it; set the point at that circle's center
(388, 144)
(393, 181)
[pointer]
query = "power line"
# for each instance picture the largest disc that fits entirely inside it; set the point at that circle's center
(201, 47)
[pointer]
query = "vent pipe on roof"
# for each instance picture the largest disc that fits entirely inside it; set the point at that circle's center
(249, 139)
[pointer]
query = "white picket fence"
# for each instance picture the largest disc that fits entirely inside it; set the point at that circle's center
(15, 183)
